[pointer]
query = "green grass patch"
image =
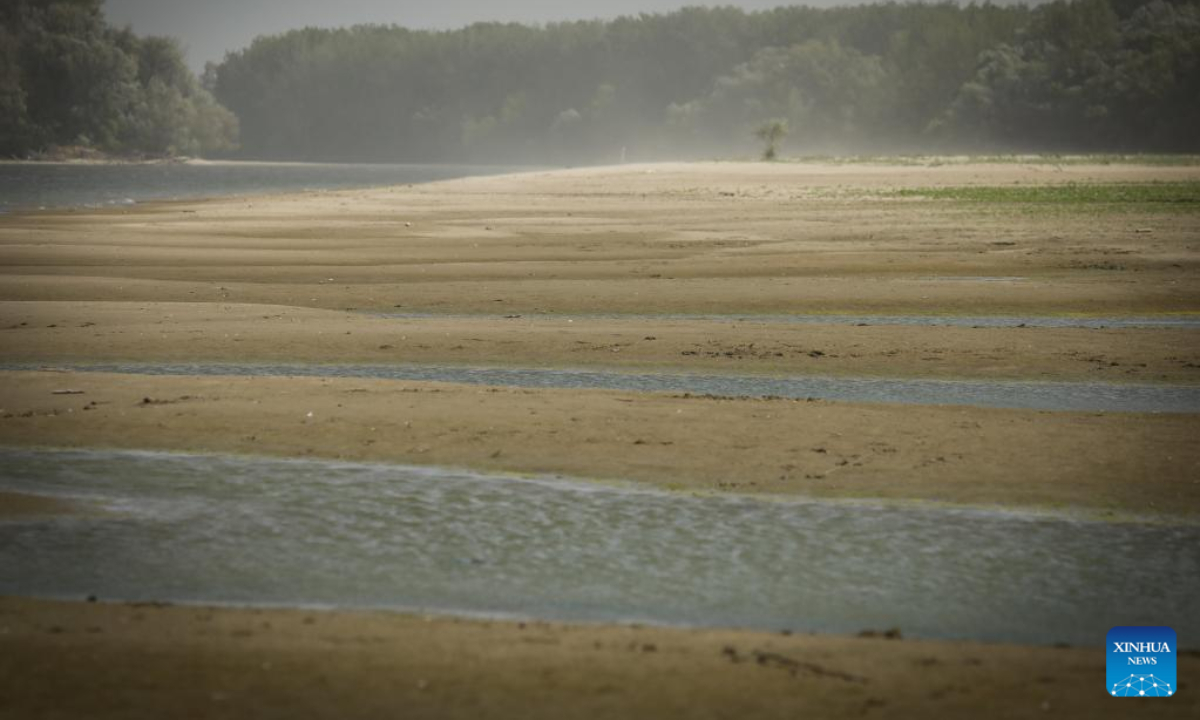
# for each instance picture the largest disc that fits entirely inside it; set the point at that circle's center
(1014, 159)
(1150, 196)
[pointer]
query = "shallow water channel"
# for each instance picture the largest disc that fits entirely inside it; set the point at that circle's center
(57, 185)
(225, 529)
(1187, 322)
(1087, 397)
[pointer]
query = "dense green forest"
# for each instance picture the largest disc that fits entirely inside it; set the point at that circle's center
(67, 78)
(1084, 75)
(1067, 76)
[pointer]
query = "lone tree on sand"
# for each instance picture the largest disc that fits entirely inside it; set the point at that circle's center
(772, 132)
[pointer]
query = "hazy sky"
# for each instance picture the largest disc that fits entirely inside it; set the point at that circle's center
(209, 28)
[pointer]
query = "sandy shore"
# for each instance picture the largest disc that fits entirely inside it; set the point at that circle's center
(729, 238)
(146, 661)
(1115, 464)
(82, 332)
(248, 278)
(487, 262)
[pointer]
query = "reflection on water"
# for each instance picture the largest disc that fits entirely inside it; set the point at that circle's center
(1086, 397)
(281, 532)
(34, 185)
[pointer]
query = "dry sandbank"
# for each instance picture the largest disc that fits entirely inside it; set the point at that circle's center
(133, 661)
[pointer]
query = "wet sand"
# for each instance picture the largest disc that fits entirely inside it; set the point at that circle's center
(1116, 464)
(147, 661)
(292, 278)
(79, 332)
(20, 505)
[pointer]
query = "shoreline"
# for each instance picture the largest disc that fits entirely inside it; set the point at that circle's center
(260, 190)
(1120, 463)
(77, 162)
(223, 367)
(75, 332)
(483, 617)
(143, 660)
(206, 162)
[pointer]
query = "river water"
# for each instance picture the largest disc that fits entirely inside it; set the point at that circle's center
(58, 185)
(224, 529)
(1187, 322)
(1065, 396)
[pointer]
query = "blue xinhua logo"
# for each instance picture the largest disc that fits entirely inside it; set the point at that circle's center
(1141, 662)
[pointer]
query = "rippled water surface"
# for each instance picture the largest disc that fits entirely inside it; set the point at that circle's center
(34, 185)
(286, 532)
(1006, 394)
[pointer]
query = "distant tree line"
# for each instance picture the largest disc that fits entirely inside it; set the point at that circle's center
(1070, 75)
(67, 78)
(1078, 75)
